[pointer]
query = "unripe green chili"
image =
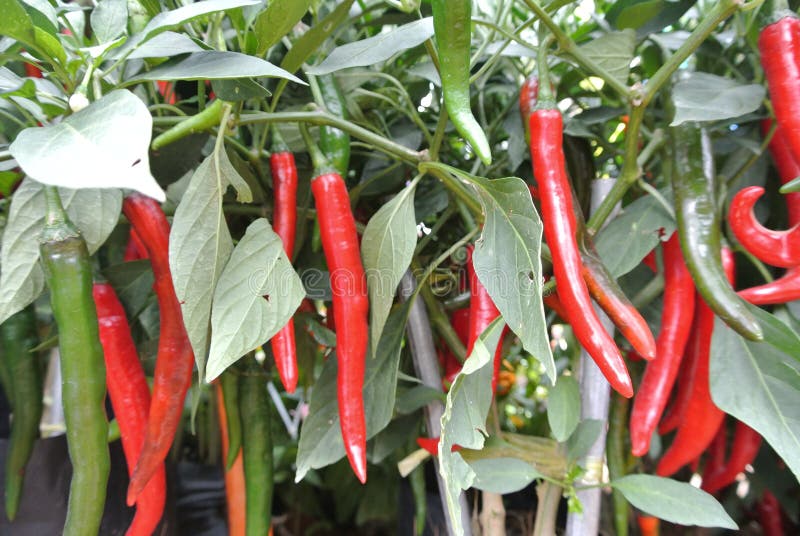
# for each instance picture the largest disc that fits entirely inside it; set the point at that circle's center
(256, 448)
(334, 143)
(17, 336)
(68, 273)
(229, 381)
(452, 26)
(699, 229)
(203, 120)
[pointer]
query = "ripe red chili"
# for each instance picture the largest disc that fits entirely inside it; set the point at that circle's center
(782, 290)
(648, 525)
(175, 360)
(660, 374)
(787, 165)
(452, 366)
(130, 398)
(135, 249)
(284, 184)
(746, 444)
(715, 458)
(702, 418)
(482, 312)
(769, 514)
(779, 45)
(350, 307)
(547, 156)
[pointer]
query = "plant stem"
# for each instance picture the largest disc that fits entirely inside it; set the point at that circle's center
(549, 495)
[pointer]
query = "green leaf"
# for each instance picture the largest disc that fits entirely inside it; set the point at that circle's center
(85, 149)
(760, 385)
(583, 438)
(637, 14)
(564, 408)
(416, 398)
(211, 65)
(376, 49)
(15, 22)
(673, 501)
(50, 45)
(256, 295)
(278, 20)
(386, 248)
(109, 19)
(464, 418)
(239, 89)
(166, 45)
(613, 51)
(791, 187)
(200, 245)
(502, 475)
(707, 97)
(95, 213)
(624, 242)
(321, 437)
(43, 15)
(508, 263)
(310, 42)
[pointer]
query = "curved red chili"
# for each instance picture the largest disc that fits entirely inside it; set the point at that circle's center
(350, 307)
(746, 444)
(784, 289)
(547, 156)
(660, 374)
(284, 184)
(779, 45)
(778, 248)
(482, 312)
(175, 360)
(130, 398)
(787, 165)
(702, 417)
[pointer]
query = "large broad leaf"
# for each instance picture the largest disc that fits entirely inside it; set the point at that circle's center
(15, 22)
(310, 41)
(103, 146)
(708, 97)
(564, 408)
(166, 45)
(321, 437)
(94, 212)
(508, 263)
(214, 65)
(376, 49)
(256, 295)
(200, 245)
(109, 19)
(673, 501)
(502, 475)
(387, 248)
(624, 242)
(614, 52)
(464, 418)
(759, 383)
(277, 20)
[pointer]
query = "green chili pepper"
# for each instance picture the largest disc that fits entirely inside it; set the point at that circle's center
(68, 273)
(17, 336)
(229, 381)
(203, 120)
(699, 228)
(334, 143)
(452, 27)
(256, 448)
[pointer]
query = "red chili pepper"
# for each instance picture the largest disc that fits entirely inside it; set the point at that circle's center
(167, 91)
(547, 156)
(787, 165)
(235, 496)
(135, 250)
(554, 302)
(284, 183)
(452, 366)
(175, 360)
(779, 45)
(648, 525)
(715, 460)
(660, 374)
(32, 71)
(702, 418)
(778, 248)
(650, 261)
(482, 312)
(746, 444)
(784, 289)
(431, 444)
(130, 398)
(769, 515)
(349, 285)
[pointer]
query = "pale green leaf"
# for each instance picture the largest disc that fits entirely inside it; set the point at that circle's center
(708, 97)
(109, 19)
(564, 407)
(614, 52)
(277, 20)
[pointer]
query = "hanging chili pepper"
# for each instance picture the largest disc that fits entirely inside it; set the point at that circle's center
(746, 444)
(256, 446)
(452, 366)
(350, 304)
(130, 398)
(779, 45)
(229, 384)
(18, 336)
(135, 249)
(175, 359)
(209, 117)
(284, 185)
(675, 411)
(699, 229)
(234, 475)
(482, 312)
(787, 165)
(648, 525)
(769, 515)
(549, 170)
(528, 98)
(715, 456)
(452, 24)
(702, 418)
(778, 248)
(782, 290)
(335, 143)
(68, 273)
(660, 374)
